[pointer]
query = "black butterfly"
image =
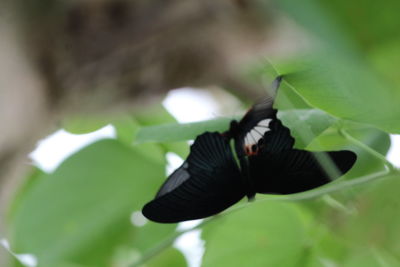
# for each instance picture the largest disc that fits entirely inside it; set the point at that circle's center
(210, 180)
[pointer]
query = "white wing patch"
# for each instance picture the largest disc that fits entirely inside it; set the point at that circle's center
(254, 135)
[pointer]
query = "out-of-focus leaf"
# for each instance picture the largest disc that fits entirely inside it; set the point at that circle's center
(81, 212)
(349, 90)
(159, 115)
(299, 121)
(386, 61)
(126, 129)
(126, 124)
(376, 222)
(341, 80)
(148, 236)
(85, 124)
(292, 99)
(326, 244)
(128, 257)
(343, 24)
(32, 178)
(305, 124)
(372, 137)
(262, 234)
(154, 115)
(179, 148)
(365, 259)
(176, 132)
(168, 258)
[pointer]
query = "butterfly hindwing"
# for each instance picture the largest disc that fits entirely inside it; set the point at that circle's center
(294, 171)
(277, 139)
(179, 176)
(207, 183)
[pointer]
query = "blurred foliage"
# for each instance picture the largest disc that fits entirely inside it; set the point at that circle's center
(80, 215)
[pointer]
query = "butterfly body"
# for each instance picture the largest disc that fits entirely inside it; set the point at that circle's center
(214, 177)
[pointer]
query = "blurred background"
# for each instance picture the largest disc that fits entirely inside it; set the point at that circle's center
(120, 88)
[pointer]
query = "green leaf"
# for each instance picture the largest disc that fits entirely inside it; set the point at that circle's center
(126, 128)
(172, 132)
(34, 176)
(371, 258)
(386, 61)
(154, 115)
(168, 258)
(262, 234)
(299, 121)
(347, 89)
(305, 124)
(289, 99)
(376, 221)
(81, 212)
(372, 137)
(84, 124)
(311, 122)
(345, 25)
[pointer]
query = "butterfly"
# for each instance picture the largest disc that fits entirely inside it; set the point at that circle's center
(213, 178)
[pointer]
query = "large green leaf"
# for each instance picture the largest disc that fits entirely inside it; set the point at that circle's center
(345, 80)
(176, 132)
(262, 234)
(371, 257)
(348, 90)
(342, 24)
(305, 124)
(351, 69)
(309, 121)
(81, 212)
(377, 219)
(84, 124)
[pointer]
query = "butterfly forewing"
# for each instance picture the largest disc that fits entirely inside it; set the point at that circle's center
(213, 183)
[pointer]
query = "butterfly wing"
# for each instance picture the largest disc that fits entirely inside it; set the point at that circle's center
(179, 176)
(277, 139)
(260, 129)
(294, 171)
(261, 110)
(207, 183)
